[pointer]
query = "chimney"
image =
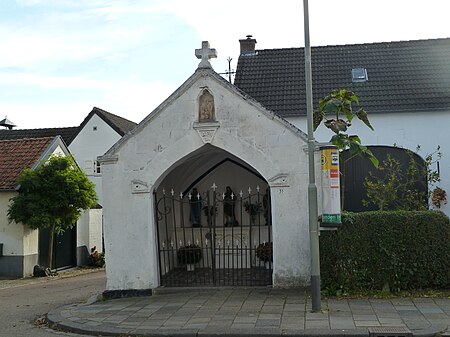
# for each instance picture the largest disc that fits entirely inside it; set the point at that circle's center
(248, 45)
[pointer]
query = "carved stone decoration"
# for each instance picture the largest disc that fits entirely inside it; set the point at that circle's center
(205, 53)
(280, 180)
(206, 112)
(138, 186)
(206, 131)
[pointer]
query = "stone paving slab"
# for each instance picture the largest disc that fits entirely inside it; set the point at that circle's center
(249, 312)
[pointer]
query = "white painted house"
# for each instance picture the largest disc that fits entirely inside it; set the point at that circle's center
(404, 86)
(19, 245)
(95, 135)
(210, 136)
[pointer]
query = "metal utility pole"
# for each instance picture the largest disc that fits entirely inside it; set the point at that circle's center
(312, 188)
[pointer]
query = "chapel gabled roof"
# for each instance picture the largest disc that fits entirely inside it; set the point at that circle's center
(18, 154)
(402, 76)
(65, 133)
(200, 72)
(119, 124)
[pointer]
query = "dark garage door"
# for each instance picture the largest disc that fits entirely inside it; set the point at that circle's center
(64, 255)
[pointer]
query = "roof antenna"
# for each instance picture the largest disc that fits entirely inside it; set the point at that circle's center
(7, 123)
(230, 71)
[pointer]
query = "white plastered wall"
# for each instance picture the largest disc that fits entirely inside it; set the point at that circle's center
(18, 240)
(11, 234)
(92, 141)
(89, 230)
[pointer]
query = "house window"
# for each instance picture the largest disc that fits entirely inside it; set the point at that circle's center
(97, 167)
(359, 75)
(94, 128)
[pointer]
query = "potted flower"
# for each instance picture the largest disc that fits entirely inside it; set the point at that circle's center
(189, 255)
(264, 252)
(439, 197)
(96, 259)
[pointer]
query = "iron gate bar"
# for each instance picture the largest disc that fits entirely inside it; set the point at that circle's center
(211, 218)
(233, 261)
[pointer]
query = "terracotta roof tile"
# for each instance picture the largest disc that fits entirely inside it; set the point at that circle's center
(16, 155)
(402, 76)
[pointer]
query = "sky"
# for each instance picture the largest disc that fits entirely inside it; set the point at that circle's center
(60, 58)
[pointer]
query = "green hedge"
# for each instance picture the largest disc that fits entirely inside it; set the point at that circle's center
(372, 250)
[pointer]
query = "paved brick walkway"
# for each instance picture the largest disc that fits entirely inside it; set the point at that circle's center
(246, 312)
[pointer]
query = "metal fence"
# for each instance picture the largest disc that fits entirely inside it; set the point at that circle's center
(214, 239)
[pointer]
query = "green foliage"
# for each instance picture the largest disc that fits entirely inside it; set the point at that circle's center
(338, 103)
(52, 196)
(395, 189)
(400, 250)
(253, 210)
(382, 192)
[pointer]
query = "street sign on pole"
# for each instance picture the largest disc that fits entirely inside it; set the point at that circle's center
(331, 195)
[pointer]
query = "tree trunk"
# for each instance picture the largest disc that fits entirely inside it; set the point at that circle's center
(51, 242)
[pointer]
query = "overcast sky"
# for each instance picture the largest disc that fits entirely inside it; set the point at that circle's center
(60, 58)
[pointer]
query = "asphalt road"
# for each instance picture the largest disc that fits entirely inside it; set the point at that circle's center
(21, 304)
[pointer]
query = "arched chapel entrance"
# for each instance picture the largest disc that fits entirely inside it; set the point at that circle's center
(214, 228)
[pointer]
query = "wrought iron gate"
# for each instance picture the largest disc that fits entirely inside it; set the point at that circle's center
(214, 238)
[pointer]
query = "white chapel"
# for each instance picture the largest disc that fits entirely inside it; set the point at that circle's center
(210, 189)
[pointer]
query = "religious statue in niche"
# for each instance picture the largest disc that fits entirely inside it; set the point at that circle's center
(195, 208)
(206, 107)
(229, 202)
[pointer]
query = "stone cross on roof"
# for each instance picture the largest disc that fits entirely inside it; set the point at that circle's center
(205, 54)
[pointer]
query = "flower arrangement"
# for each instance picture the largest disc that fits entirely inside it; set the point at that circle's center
(96, 259)
(439, 197)
(253, 210)
(190, 254)
(211, 210)
(264, 251)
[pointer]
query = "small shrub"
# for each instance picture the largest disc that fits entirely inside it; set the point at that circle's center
(96, 259)
(396, 250)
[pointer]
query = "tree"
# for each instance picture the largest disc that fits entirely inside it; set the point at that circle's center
(338, 104)
(52, 196)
